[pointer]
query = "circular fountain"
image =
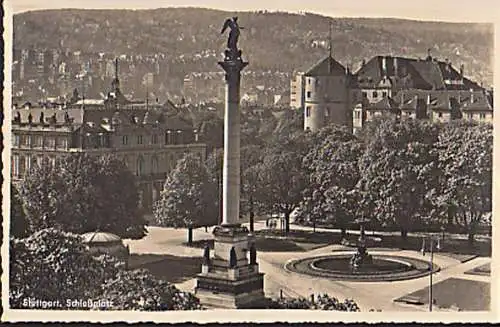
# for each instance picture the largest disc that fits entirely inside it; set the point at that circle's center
(362, 266)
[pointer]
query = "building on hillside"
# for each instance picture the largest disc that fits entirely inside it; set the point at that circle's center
(148, 138)
(419, 88)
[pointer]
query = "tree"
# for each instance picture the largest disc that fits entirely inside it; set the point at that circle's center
(18, 221)
(466, 159)
(250, 157)
(399, 171)
(82, 193)
(211, 130)
(139, 290)
(214, 168)
(280, 177)
(48, 266)
(332, 166)
(188, 199)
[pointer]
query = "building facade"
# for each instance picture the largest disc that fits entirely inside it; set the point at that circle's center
(418, 88)
(150, 139)
(413, 88)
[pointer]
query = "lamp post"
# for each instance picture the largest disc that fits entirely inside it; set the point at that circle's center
(431, 240)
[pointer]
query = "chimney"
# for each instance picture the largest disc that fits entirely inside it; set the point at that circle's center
(428, 99)
(395, 64)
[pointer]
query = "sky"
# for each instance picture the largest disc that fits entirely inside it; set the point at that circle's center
(434, 10)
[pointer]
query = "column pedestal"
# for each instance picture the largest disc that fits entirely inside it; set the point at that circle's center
(231, 281)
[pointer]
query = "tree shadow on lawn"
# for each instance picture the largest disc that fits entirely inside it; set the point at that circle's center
(264, 245)
(457, 248)
(174, 269)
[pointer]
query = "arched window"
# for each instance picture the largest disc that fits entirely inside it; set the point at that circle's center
(154, 165)
(140, 166)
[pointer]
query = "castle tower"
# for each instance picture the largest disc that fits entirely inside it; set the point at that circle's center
(230, 279)
(326, 93)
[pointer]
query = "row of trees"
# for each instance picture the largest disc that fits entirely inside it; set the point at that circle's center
(397, 174)
(403, 174)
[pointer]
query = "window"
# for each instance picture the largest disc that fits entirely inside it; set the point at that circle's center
(61, 142)
(15, 165)
(139, 139)
(309, 81)
(384, 94)
(168, 137)
(364, 94)
(25, 140)
(154, 139)
(22, 165)
(308, 94)
(15, 141)
(154, 165)
(375, 94)
(51, 141)
(482, 116)
(470, 116)
(440, 115)
(308, 111)
(357, 114)
(125, 139)
(39, 141)
(179, 138)
(140, 166)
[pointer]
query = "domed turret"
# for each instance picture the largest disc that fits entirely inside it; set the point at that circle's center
(105, 243)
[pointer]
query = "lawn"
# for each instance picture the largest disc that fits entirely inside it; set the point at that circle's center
(459, 249)
(171, 268)
(484, 270)
(271, 244)
(468, 295)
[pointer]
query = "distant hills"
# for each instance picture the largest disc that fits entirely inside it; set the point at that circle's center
(271, 41)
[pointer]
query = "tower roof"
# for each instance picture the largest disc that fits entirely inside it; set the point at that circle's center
(326, 67)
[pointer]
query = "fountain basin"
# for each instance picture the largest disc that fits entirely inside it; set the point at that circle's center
(383, 268)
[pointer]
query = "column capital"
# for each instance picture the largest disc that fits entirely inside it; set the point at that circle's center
(233, 66)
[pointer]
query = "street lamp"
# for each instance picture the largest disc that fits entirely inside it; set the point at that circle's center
(431, 240)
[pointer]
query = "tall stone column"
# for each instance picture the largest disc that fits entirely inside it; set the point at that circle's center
(231, 163)
(231, 278)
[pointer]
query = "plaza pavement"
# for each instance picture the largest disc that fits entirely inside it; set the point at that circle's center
(368, 295)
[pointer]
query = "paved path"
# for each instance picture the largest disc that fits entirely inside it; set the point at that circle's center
(369, 295)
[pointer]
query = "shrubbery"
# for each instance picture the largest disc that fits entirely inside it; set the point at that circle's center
(52, 265)
(321, 302)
